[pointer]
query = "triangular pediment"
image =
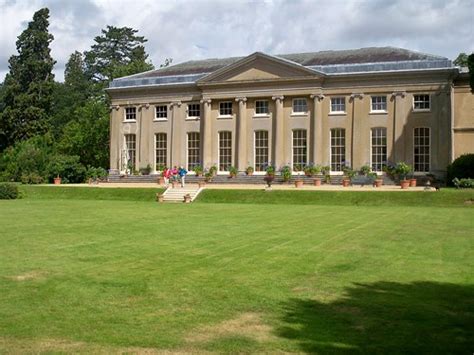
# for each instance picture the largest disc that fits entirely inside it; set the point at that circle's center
(260, 67)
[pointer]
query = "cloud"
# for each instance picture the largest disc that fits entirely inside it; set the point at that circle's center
(185, 30)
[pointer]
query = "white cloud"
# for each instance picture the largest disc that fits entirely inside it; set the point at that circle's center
(187, 30)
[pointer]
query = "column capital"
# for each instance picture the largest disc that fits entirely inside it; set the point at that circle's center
(402, 94)
(241, 99)
(114, 107)
(175, 103)
(205, 101)
(142, 106)
(280, 98)
(319, 97)
(355, 95)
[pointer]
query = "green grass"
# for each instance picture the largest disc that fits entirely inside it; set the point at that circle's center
(121, 273)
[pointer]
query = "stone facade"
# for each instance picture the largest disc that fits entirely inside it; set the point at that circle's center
(383, 104)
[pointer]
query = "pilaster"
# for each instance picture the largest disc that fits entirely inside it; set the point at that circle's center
(356, 160)
(206, 134)
(175, 148)
(278, 129)
(316, 130)
(397, 153)
(241, 151)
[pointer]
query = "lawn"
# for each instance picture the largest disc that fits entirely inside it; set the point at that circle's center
(110, 270)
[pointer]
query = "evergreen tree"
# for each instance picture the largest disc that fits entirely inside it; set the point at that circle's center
(461, 60)
(117, 52)
(29, 84)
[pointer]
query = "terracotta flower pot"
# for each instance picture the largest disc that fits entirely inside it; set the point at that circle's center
(404, 184)
(378, 182)
(299, 183)
(412, 182)
(317, 182)
(346, 182)
(57, 181)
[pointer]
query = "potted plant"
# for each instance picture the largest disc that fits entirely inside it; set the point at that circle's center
(213, 170)
(403, 170)
(298, 183)
(249, 170)
(365, 170)
(269, 179)
(309, 170)
(198, 170)
(286, 173)
(413, 179)
(325, 170)
(378, 181)
(232, 171)
(316, 171)
(57, 180)
(208, 176)
(348, 175)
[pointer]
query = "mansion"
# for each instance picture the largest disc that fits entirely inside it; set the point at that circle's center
(369, 106)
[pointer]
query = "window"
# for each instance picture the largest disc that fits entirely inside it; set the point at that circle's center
(300, 106)
(194, 110)
(421, 153)
(161, 112)
(338, 149)
(261, 107)
(378, 148)
(193, 150)
(225, 108)
(129, 153)
(130, 113)
(225, 150)
(299, 149)
(379, 104)
(421, 102)
(161, 149)
(261, 150)
(338, 104)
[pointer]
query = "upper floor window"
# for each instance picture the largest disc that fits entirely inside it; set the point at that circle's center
(261, 107)
(338, 104)
(130, 113)
(379, 104)
(421, 102)
(161, 112)
(300, 106)
(225, 108)
(194, 110)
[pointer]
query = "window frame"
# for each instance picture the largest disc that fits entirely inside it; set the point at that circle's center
(265, 114)
(198, 148)
(379, 172)
(293, 149)
(421, 109)
(193, 117)
(257, 171)
(372, 104)
(299, 113)
(331, 112)
(343, 161)
(421, 172)
(125, 114)
(165, 149)
(226, 115)
(219, 151)
(156, 113)
(134, 154)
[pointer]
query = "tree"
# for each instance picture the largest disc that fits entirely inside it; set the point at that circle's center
(470, 65)
(29, 84)
(461, 60)
(117, 52)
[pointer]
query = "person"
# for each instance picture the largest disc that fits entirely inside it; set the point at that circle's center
(182, 174)
(174, 174)
(166, 176)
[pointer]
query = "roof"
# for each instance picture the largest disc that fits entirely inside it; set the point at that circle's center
(329, 62)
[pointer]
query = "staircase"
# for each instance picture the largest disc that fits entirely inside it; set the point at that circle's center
(177, 194)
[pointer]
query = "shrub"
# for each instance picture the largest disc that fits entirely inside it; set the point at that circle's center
(286, 173)
(68, 168)
(96, 173)
(31, 178)
(403, 170)
(233, 171)
(463, 183)
(8, 191)
(462, 167)
(198, 170)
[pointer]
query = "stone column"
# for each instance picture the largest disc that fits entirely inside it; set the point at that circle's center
(397, 151)
(206, 134)
(115, 143)
(175, 134)
(355, 161)
(316, 128)
(241, 151)
(278, 133)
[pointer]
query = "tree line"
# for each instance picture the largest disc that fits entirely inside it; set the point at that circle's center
(50, 128)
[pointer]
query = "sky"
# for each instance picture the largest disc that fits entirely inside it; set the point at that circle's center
(186, 30)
